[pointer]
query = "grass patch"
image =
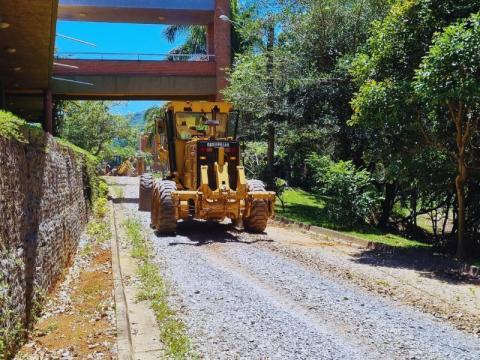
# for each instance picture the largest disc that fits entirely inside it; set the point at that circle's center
(87, 250)
(307, 208)
(99, 230)
(154, 289)
(303, 207)
(77, 149)
(100, 208)
(99, 227)
(424, 222)
(388, 239)
(117, 191)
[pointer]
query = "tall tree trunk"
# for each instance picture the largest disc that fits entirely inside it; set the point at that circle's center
(387, 207)
(270, 104)
(413, 206)
(271, 152)
(447, 211)
(461, 246)
(462, 137)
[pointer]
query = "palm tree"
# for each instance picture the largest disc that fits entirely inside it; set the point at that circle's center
(196, 41)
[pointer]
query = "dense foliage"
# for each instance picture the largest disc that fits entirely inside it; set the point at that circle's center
(92, 126)
(10, 126)
(349, 193)
(448, 85)
(378, 92)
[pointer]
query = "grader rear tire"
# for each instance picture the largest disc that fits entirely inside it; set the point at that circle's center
(258, 219)
(145, 192)
(163, 215)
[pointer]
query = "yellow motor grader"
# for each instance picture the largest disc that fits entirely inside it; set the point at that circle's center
(205, 177)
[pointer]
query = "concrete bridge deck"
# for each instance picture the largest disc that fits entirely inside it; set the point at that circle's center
(134, 80)
(191, 12)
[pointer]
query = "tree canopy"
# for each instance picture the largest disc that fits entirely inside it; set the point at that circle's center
(91, 126)
(372, 82)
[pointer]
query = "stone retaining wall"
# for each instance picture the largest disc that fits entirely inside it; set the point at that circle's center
(43, 210)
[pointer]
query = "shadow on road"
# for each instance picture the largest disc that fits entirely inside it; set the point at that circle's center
(423, 261)
(124, 200)
(201, 233)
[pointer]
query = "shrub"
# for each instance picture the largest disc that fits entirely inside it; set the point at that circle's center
(11, 126)
(280, 186)
(351, 197)
(100, 207)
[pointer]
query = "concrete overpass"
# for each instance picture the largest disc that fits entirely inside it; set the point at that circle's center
(28, 90)
(192, 12)
(134, 80)
(27, 38)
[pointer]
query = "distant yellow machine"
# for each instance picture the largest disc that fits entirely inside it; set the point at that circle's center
(205, 177)
(126, 169)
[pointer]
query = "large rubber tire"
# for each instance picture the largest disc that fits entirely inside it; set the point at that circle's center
(163, 215)
(258, 219)
(145, 192)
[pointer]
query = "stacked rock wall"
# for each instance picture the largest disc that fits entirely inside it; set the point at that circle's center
(43, 211)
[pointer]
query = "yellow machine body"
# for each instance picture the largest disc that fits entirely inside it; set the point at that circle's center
(126, 168)
(206, 165)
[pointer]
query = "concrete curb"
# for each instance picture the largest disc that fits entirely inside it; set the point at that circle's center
(463, 269)
(124, 338)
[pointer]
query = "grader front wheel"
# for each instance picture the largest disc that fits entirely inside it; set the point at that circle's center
(257, 221)
(163, 211)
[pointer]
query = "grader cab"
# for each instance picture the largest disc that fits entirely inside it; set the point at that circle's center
(206, 179)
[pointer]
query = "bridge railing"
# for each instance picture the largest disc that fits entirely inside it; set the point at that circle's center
(133, 56)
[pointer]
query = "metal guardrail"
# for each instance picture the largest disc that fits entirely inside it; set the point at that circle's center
(132, 56)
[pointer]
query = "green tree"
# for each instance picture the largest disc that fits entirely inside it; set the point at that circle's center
(196, 35)
(449, 77)
(91, 126)
(151, 115)
(386, 106)
(282, 81)
(196, 38)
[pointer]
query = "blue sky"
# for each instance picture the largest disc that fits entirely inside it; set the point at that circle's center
(116, 38)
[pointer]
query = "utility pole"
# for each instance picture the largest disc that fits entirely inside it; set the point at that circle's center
(270, 103)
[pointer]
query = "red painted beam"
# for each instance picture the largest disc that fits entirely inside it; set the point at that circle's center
(222, 45)
(132, 67)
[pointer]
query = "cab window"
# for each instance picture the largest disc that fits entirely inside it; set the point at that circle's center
(190, 124)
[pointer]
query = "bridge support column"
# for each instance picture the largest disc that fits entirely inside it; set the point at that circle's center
(47, 111)
(211, 39)
(221, 44)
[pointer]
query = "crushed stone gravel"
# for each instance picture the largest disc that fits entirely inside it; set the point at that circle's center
(241, 300)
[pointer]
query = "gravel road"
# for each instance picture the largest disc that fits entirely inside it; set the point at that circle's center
(241, 298)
